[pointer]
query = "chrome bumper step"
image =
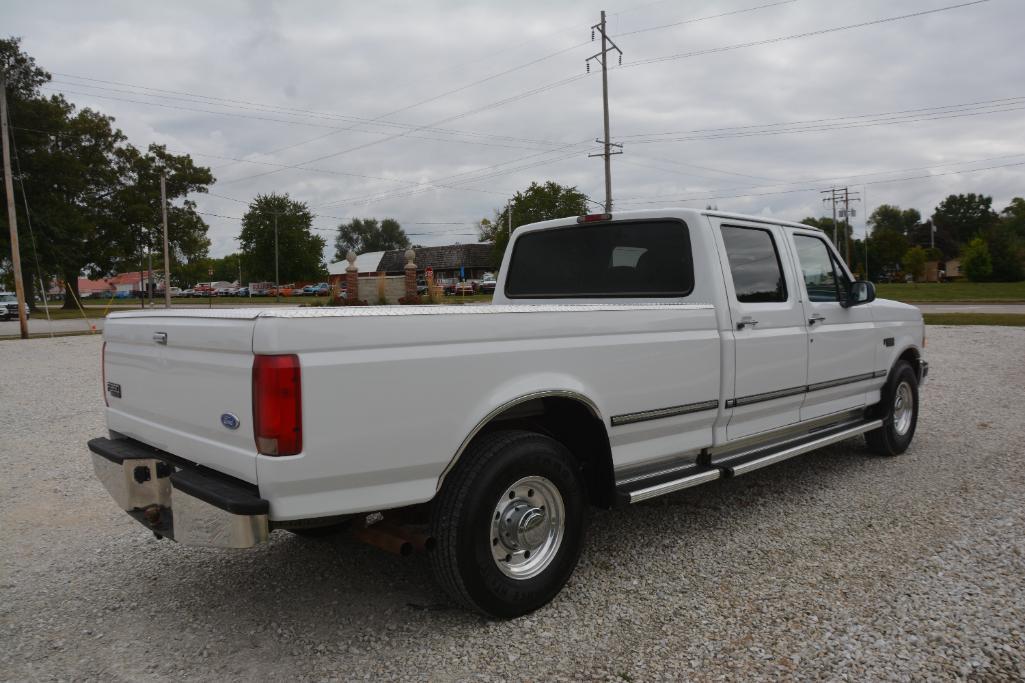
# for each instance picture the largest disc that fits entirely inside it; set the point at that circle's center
(660, 483)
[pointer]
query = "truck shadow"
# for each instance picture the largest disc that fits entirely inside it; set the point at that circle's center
(320, 585)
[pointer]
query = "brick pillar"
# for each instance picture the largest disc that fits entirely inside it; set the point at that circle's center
(411, 295)
(351, 279)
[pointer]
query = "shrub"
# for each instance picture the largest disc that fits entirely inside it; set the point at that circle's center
(976, 262)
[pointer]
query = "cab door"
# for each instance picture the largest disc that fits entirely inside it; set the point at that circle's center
(841, 339)
(770, 338)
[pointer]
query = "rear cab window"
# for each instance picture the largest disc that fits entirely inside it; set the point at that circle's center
(639, 259)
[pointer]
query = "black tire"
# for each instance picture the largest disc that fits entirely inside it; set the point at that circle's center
(893, 438)
(463, 513)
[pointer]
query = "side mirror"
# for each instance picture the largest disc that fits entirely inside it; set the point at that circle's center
(860, 292)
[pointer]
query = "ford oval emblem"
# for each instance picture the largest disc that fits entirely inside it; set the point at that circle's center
(230, 420)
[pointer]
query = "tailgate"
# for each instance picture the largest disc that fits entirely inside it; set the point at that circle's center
(185, 385)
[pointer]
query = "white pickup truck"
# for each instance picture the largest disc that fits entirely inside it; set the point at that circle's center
(624, 357)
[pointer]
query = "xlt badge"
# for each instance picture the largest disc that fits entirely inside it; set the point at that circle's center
(114, 389)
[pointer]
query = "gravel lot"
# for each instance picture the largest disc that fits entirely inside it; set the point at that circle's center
(834, 565)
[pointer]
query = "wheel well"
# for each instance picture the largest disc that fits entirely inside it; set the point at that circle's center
(574, 425)
(912, 356)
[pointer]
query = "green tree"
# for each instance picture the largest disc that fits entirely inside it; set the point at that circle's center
(914, 262)
(1013, 216)
(960, 218)
(94, 199)
(901, 221)
(536, 203)
(137, 207)
(975, 260)
(300, 252)
(363, 235)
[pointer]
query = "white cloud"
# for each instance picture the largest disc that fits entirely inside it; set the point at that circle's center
(368, 59)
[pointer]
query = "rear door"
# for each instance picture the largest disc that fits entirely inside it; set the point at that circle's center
(841, 340)
(768, 328)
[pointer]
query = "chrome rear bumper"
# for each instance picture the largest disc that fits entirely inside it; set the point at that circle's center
(178, 501)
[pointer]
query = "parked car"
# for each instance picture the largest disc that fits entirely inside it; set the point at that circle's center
(242, 291)
(322, 289)
(487, 284)
(421, 286)
(297, 292)
(9, 306)
(310, 289)
(463, 288)
(188, 293)
(623, 358)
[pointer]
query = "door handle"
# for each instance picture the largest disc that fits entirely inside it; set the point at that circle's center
(746, 321)
(817, 318)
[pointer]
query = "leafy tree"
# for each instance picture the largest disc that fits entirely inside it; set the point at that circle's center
(1007, 252)
(137, 207)
(1013, 216)
(914, 262)
(901, 221)
(962, 217)
(363, 235)
(94, 199)
(536, 203)
(975, 260)
(300, 252)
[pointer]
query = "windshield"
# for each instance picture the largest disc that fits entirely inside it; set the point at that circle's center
(5, 298)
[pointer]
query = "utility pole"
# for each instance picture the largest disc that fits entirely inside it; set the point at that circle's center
(606, 143)
(837, 195)
(277, 277)
(12, 217)
(167, 253)
(508, 216)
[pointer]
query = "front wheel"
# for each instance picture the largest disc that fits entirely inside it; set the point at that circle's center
(899, 411)
(509, 523)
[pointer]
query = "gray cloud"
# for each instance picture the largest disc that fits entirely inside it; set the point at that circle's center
(367, 59)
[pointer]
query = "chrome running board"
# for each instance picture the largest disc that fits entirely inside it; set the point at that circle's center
(669, 480)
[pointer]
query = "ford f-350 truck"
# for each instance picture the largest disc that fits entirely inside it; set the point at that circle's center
(624, 357)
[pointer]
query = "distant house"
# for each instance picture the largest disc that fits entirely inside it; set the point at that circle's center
(463, 261)
(459, 261)
(87, 287)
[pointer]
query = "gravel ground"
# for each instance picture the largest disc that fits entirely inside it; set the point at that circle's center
(836, 565)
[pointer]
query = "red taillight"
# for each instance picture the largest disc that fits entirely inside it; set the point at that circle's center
(277, 405)
(103, 374)
(594, 217)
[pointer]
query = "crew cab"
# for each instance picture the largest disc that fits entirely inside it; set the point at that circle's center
(623, 357)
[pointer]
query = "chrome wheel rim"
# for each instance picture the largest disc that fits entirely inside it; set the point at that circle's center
(527, 527)
(903, 408)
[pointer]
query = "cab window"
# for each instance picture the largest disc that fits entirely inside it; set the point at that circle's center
(754, 264)
(823, 279)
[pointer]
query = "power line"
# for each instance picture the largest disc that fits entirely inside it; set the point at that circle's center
(700, 19)
(817, 189)
(845, 117)
(795, 36)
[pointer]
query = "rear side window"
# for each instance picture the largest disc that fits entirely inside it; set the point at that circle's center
(626, 259)
(754, 264)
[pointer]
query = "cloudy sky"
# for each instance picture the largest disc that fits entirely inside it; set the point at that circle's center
(435, 112)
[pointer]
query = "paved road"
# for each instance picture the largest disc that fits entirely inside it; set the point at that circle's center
(834, 566)
(972, 308)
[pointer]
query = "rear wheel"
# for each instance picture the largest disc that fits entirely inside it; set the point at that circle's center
(899, 411)
(509, 523)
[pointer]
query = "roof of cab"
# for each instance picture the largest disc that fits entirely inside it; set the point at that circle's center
(669, 212)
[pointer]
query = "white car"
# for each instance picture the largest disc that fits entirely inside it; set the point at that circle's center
(624, 357)
(9, 306)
